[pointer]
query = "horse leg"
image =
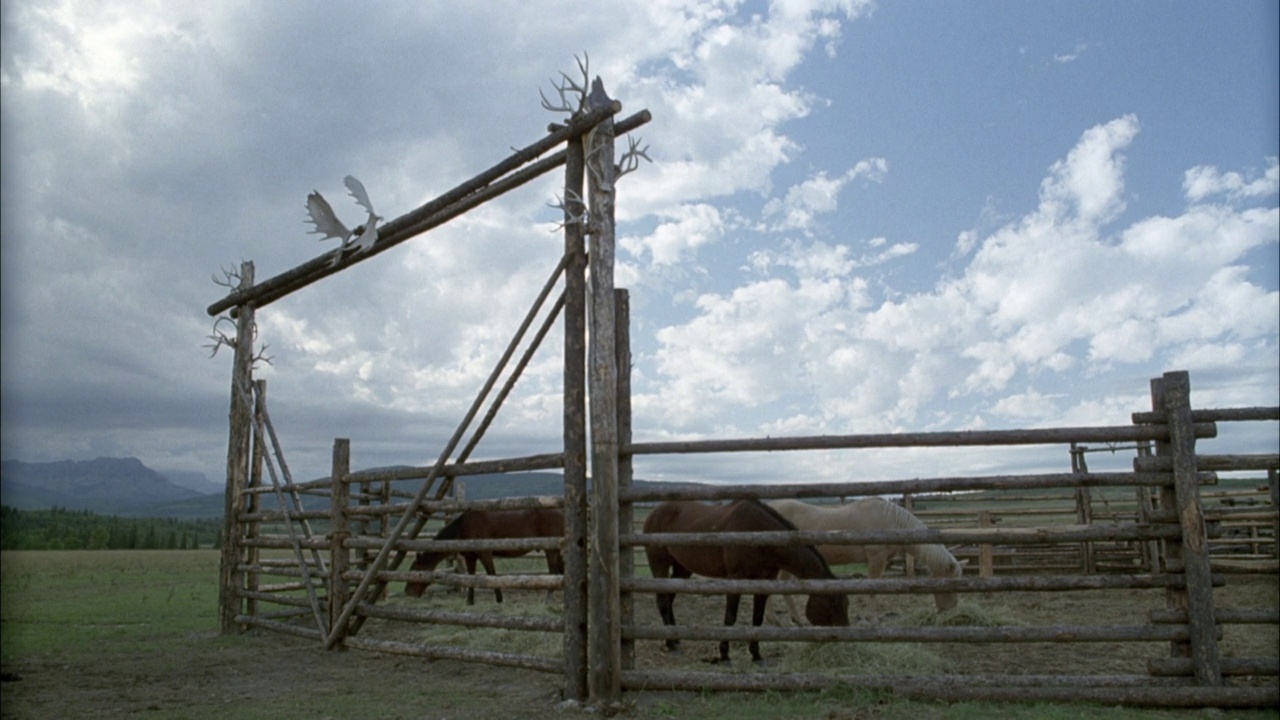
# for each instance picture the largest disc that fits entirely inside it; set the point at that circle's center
(731, 617)
(877, 560)
(555, 566)
(760, 602)
(796, 617)
(662, 565)
(470, 560)
(487, 560)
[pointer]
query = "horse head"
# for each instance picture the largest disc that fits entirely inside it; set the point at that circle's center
(827, 609)
(953, 568)
(422, 562)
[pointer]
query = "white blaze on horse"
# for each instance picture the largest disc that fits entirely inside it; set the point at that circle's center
(869, 514)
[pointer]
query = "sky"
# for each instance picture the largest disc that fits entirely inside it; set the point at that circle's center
(860, 217)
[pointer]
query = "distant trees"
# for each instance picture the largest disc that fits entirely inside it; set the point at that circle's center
(61, 529)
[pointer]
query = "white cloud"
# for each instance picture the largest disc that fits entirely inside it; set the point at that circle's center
(680, 234)
(818, 194)
(1050, 293)
(1203, 181)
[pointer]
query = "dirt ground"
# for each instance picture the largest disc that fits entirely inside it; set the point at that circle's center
(262, 674)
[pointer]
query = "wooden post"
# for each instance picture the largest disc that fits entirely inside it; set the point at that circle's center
(1275, 505)
(986, 557)
(603, 632)
(1172, 395)
(575, 429)
(626, 558)
(253, 501)
(1084, 508)
(339, 557)
(239, 442)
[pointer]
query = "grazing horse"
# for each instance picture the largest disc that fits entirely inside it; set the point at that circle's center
(872, 513)
(492, 525)
(745, 562)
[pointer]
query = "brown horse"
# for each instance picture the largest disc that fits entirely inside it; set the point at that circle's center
(492, 525)
(745, 562)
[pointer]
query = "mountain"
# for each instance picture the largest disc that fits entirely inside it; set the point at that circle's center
(111, 486)
(124, 486)
(193, 480)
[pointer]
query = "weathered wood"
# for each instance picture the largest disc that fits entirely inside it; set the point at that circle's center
(451, 204)
(524, 544)
(463, 619)
(1176, 396)
(920, 634)
(450, 507)
(964, 438)
(1210, 463)
(575, 427)
(445, 652)
(1213, 415)
(676, 680)
(603, 636)
(251, 502)
(626, 516)
(277, 599)
(287, 628)
(986, 553)
(1173, 667)
(1002, 536)
(867, 586)
(1225, 615)
(339, 556)
(653, 492)
(239, 444)
(1139, 691)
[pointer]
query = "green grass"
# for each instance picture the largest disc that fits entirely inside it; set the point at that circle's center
(73, 602)
(81, 603)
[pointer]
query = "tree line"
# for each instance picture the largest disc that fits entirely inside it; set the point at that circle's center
(62, 529)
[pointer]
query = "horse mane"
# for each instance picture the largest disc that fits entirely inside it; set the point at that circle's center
(453, 529)
(788, 525)
(937, 557)
(893, 513)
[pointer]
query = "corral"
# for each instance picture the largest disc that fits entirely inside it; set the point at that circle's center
(1165, 637)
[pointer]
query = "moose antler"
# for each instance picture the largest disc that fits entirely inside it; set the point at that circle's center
(568, 89)
(630, 160)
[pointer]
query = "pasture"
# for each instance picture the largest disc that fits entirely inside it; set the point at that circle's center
(116, 634)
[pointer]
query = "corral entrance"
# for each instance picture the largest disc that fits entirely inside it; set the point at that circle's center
(325, 574)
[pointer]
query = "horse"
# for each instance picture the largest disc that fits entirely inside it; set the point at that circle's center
(492, 525)
(736, 561)
(872, 513)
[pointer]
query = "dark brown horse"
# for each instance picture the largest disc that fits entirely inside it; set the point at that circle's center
(745, 562)
(493, 525)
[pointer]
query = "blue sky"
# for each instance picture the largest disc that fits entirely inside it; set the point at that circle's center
(860, 217)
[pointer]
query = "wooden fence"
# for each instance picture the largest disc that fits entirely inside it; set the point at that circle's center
(323, 572)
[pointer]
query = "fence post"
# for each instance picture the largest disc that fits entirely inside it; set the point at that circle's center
(626, 522)
(986, 556)
(1275, 505)
(603, 632)
(575, 429)
(253, 501)
(339, 560)
(239, 442)
(1172, 395)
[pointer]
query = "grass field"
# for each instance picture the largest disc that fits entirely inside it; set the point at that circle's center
(133, 634)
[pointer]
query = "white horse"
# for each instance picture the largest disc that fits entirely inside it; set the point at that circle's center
(872, 513)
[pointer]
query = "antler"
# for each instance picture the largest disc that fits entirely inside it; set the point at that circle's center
(230, 278)
(630, 160)
(569, 217)
(568, 87)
